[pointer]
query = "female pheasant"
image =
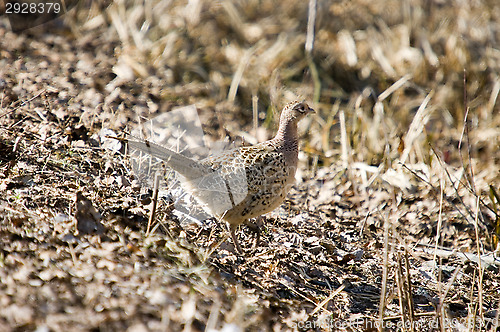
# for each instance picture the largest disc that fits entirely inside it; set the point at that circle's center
(245, 182)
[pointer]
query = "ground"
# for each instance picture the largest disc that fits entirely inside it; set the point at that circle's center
(393, 222)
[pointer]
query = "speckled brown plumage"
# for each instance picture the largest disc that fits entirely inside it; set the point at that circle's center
(241, 183)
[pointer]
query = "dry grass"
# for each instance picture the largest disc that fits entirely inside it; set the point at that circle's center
(402, 165)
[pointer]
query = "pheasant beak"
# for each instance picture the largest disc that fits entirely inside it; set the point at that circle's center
(310, 110)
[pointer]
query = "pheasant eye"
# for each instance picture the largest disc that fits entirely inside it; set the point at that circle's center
(300, 108)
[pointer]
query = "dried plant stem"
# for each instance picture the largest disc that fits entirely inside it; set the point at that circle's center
(401, 292)
(309, 46)
(416, 126)
(411, 308)
(238, 75)
(385, 269)
(403, 280)
(344, 140)
(398, 84)
(328, 299)
(479, 265)
(315, 77)
(440, 219)
(255, 112)
(155, 202)
(23, 103)
(311, 22)
(443, 294)
(494, 95)
(440, 309)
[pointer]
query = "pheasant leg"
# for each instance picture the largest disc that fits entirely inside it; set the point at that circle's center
(235, 239)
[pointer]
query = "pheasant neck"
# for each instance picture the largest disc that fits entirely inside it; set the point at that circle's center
(287, 135)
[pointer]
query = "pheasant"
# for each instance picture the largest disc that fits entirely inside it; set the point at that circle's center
(242, 183)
